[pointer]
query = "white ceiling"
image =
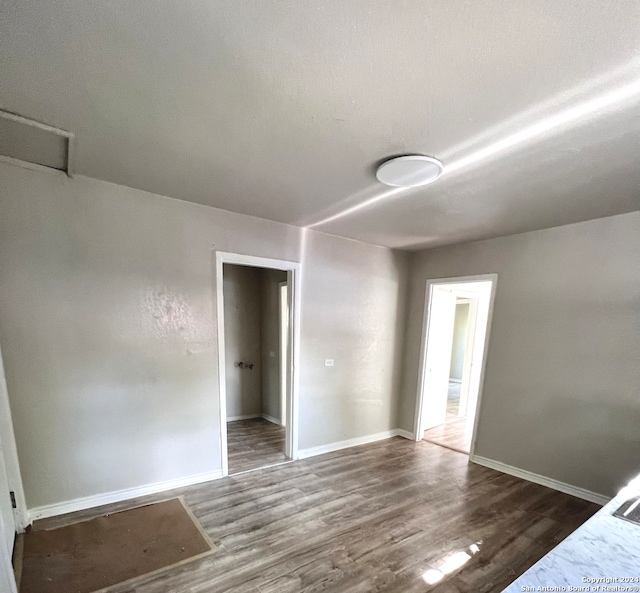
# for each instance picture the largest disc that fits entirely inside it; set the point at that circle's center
(282, 109)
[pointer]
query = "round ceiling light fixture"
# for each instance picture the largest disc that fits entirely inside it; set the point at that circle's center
(409, 171)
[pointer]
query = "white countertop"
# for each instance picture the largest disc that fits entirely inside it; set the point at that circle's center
(603, 555)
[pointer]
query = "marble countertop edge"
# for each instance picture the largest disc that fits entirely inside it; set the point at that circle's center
(602, 555)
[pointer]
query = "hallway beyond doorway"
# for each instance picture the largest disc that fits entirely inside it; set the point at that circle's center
(453, 400)
(457, 431)
(254, 443)
(455, 434)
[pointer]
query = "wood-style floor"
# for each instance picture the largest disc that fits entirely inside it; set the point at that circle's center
(453, 399)
(369, 519)
(455, 434)
(254, 443)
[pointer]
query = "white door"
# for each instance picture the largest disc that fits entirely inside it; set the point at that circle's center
(7, 523)
(438, 357)
(7, 529)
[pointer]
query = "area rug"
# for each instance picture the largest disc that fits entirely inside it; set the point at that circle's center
(93, 555)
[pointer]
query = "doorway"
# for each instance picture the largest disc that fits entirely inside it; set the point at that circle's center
(257, 325)
(455, 338)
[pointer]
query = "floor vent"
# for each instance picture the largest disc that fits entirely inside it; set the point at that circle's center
(28, 143)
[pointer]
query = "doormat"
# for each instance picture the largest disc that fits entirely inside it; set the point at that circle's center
(90, 556)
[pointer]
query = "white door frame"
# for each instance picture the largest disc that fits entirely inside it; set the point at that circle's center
(283, 346)
(293, 270)
(7, 580)
(10, 450)
(9, 454)
(493, 278)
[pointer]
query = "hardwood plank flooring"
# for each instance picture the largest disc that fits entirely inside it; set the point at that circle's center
(453, 399)
(454, 434)
(372, 518)
(254, 443)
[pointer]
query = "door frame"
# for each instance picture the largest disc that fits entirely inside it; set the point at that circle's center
(10, 453)
(283, 346)
(493, 278)
(294, 277)
(7, 580)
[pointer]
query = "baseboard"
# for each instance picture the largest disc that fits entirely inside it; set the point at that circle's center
(331, 447)
(245, 417)
(600, 499)
(271, 419)
(88, 502)
(405, 434)
(455, 380)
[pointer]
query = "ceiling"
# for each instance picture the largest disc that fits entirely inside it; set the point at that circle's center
(282, 110)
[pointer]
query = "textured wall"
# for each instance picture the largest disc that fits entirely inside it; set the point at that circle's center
(353, 312)
(560, 395)
(107, 324)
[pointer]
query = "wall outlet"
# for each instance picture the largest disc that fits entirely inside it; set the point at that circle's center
(328, 362)
(272, 354)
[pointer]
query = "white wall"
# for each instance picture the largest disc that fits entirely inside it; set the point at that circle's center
(242, 288)
(107, 320)
(560, 396)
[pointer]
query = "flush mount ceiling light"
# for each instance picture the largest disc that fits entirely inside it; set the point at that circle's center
(409, 171)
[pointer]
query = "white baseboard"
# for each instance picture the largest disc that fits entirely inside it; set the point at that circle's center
(271, 419)
(88, 502)
(331, 447)
(405, 434)
(542, 480)
(245, 417)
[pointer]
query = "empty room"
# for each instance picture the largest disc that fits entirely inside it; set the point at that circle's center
(319, 296)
